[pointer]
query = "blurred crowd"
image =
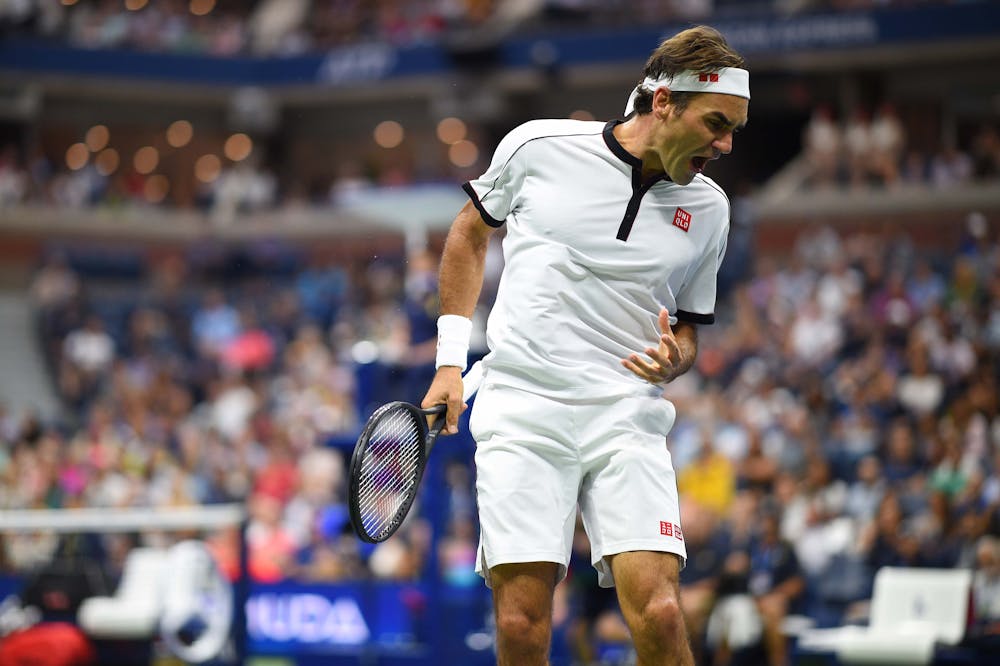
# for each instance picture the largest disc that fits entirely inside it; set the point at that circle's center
(859, 150)
(843, 415)
(236, 27)
(181, 393)
(293, 27)
(242, 187)
(874, 149)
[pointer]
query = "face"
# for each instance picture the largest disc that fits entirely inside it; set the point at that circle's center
(687, 141)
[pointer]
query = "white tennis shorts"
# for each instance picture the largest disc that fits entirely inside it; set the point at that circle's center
(538, 458)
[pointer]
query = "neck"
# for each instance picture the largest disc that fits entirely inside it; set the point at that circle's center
(636, 136)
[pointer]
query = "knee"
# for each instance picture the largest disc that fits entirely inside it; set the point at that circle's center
(522, 627)
(772, 608)
(661, 616)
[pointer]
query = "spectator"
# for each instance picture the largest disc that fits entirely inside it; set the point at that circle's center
(823, 146)
(888, 144)
(214, 325)
(13, 179)
(887, 541)
(950, 167)
(858, 146)
(985, 153)
(919, 390)
(986, 584)
(766, 572)
(925, 287)
(271, 546)
(705, 534)
(775, 581)
(814, 337)
(865, 493)
(90, 349)
(709, 479)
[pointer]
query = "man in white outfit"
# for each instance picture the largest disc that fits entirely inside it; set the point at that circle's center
(614, 239)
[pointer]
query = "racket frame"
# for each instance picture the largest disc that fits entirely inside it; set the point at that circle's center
(427, 436)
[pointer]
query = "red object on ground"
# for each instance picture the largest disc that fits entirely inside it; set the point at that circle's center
(47, 644)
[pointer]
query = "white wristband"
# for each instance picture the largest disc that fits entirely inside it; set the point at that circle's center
(454, 332)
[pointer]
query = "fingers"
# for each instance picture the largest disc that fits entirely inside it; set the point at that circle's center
(652, 372)
(446, 389)
(664, 321)
(663, 362)
(455, 408)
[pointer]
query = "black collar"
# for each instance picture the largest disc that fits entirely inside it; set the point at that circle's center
(619, 150)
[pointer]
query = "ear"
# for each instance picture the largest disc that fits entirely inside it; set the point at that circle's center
(661, 102)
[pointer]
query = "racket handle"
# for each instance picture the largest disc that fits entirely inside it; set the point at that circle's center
(470, 384)
(471, 380)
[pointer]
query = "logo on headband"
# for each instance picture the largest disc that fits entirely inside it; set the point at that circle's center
(709, 77)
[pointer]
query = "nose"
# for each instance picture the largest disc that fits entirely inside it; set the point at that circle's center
(724, 144)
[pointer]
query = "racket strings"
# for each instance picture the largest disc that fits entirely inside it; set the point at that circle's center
(389, 470)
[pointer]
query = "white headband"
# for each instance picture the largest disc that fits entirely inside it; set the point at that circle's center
(728, 81)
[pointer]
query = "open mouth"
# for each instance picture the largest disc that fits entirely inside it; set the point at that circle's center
(698, 164)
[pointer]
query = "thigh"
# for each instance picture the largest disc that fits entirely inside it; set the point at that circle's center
(527, 479)
(629, 496)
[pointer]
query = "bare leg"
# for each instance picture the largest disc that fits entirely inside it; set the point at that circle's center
(522, 604)
(649, 598)
(773, 608)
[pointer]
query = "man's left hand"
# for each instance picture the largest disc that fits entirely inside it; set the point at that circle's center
(665, 360)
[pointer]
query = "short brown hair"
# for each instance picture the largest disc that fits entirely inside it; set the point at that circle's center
(699, 49)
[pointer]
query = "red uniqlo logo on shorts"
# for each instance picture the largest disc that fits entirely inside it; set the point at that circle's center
(669, 529)
(682, 219)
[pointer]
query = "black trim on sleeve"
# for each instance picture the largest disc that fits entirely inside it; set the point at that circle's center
(487, 218)
(695, 317)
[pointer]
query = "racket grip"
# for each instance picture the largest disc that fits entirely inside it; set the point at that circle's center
(471, 380)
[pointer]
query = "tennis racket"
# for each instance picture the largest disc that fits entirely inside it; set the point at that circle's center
(389, 460)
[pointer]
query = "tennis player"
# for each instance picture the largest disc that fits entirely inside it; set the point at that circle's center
(614, 238)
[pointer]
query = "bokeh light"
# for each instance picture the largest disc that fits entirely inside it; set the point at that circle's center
(146, 159)
(582, 114)
(238, 147)
(463, 153)
(135, 5)
(97, 138)
(388, 134)
(156, 188)
(107, 161)
(77, 156)
(451, 130)
(179, 133)
(207, 168)
(201, 7)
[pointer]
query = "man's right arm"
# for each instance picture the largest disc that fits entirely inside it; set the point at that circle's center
(463, 262)
(460, 281)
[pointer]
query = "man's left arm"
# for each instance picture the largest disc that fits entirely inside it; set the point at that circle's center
(686, 335)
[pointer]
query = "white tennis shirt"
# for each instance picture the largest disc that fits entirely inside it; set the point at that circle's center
(592, 253)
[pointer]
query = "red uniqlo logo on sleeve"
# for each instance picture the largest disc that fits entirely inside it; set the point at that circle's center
(682, 219)
(669, 529)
